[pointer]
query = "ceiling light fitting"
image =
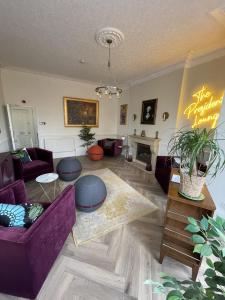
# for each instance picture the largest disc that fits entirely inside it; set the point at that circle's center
(109, 37)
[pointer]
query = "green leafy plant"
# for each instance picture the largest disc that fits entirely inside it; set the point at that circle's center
(199, 151)
(86, 136)
(209, 239)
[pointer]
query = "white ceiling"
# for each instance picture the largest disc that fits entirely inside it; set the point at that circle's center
(50, 36)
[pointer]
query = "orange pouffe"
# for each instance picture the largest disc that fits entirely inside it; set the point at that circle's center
(95, 152)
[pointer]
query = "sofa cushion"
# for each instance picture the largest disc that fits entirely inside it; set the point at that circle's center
(23, 155)
(32, 212)
(35, 166)
(7, 196)
(12, 215)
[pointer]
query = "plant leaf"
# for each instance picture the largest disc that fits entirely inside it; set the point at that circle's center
(174, 295)
(206, 250)
(204, 224)
(192, 221)
(198, 239)
(192, 228)
(210, 273)
(209, 263)
(198, 248)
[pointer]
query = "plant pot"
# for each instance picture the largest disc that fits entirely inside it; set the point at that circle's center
(191, 186)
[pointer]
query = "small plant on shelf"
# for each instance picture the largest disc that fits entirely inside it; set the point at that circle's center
(86, 136)
(209, 239)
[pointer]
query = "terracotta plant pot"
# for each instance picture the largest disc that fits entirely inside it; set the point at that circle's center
(95, 152)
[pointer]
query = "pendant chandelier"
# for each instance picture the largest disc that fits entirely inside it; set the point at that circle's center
(109, 37)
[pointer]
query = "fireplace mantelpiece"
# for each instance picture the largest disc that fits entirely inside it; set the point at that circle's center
(133, 140)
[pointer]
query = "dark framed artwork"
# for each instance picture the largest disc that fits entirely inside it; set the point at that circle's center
(148, 113)
(123, 114)
(80, 112)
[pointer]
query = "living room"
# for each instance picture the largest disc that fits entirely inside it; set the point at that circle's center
(132, 87)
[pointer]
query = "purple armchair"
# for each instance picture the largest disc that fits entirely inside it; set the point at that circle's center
(112, 147)
(27, 255)
(163, 167)
(42, 162)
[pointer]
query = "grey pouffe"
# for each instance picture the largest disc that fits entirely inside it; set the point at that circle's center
(90, 193)
(69, 168)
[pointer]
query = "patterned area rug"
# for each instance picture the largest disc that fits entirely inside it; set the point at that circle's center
(123, 204)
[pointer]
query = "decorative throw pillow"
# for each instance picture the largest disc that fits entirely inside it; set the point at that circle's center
(32, 212)
(12, 215)
(23, 155)
(22, 215)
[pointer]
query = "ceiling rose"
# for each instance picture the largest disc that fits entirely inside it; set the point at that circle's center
(109, 33)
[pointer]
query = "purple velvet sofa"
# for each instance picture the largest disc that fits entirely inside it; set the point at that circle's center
(42, 162)
(27, 255)
(112, 147)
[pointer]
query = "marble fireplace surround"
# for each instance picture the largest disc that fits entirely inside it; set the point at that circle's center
(133, 140)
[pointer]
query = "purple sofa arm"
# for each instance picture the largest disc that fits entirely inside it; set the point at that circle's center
(45, 155)
(18, 167)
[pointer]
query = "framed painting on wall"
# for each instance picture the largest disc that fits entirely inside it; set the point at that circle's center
(80, 112)
(148, 114)
(123, 114)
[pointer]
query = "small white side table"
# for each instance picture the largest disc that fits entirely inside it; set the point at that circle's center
(47, 178)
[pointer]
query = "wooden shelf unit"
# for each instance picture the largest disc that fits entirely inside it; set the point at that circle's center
(176, 241)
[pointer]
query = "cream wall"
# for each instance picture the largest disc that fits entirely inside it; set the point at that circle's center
(167, 89)
(45, 95)
(4, 141)
(210, 74)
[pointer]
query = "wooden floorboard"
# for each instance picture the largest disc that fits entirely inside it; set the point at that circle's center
(116, 265)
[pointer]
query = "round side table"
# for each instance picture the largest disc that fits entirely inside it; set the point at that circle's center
(45, 179)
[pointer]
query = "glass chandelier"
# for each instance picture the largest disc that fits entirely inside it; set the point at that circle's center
(108, 90)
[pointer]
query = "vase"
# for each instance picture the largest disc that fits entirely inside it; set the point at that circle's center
(191, 186)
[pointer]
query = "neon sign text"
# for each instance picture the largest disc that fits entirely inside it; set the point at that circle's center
(205, 109)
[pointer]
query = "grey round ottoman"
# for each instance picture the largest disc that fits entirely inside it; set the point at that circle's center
(90, 193)
(69, 168)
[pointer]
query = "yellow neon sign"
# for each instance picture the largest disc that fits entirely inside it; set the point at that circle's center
(205, 109)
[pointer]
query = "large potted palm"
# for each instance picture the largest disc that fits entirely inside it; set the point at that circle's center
(200, 156)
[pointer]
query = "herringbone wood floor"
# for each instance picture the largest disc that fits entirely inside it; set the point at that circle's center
(116, 265)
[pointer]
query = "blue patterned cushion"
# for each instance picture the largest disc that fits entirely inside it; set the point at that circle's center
(12, 215)
(23, 155)
(19, 215)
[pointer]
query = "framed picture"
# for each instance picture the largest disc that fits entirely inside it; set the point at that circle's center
(148, 114)
(80, 112)
(123, 114)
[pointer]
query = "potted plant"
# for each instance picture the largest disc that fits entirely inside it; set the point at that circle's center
(200, 155)
(209, 239)
(86, 136)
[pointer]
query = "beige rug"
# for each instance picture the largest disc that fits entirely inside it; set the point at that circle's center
(122, 205)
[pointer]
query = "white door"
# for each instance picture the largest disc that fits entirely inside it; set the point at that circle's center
(22, 126)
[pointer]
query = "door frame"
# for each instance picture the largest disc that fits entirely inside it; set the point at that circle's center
(35, 122)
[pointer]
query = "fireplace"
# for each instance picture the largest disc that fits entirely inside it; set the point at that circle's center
(144, 153)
